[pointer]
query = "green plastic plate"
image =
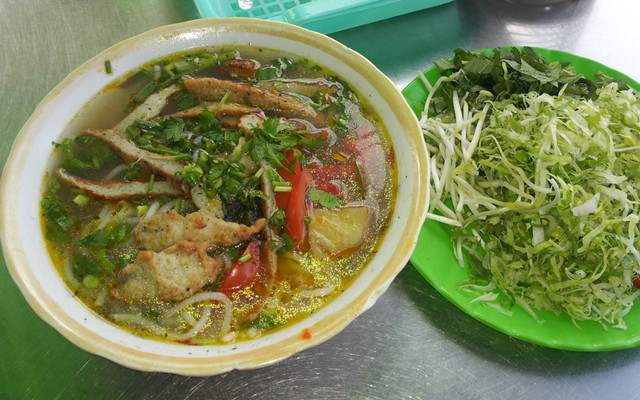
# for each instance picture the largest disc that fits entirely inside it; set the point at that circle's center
(435, 260)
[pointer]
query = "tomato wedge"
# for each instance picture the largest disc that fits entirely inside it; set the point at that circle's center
(293, 202)
(347, 171)
(296, 209)
(243, 274)
(368, 151)
(282, 198)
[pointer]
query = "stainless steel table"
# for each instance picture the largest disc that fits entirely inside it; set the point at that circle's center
(412, 344)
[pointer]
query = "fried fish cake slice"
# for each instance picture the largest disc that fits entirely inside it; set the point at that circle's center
(173, 274)
(166, 229)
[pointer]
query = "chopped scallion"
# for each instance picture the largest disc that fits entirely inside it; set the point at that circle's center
(142, 210)
(90, 281)
(81, 200)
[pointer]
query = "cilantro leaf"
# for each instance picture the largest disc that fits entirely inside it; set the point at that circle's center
(325, 199)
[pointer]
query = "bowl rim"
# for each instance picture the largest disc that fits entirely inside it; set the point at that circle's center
(48, 310)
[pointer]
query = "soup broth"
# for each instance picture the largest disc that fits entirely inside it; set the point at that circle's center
(216, 195)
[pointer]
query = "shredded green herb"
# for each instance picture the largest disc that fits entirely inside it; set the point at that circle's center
(541, 187)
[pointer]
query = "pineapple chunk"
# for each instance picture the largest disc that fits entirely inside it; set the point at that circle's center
(334, 231)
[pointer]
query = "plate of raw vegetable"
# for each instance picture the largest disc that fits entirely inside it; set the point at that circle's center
(534, 219)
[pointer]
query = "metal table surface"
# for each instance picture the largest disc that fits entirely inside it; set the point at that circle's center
(412, 344)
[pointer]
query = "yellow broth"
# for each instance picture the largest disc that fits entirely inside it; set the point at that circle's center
(91, 241)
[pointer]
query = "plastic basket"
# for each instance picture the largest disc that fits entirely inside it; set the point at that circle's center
(325, 16)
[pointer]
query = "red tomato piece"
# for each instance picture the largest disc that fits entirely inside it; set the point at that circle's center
(293, 202)
(243, 274)
(296, 209)
(346, 171)
(368, 150)
(282, 198)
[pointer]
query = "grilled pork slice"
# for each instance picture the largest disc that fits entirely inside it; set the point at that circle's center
(267, 99)
(166, 229)
(173, 274)
(163, 165)
(113, 190)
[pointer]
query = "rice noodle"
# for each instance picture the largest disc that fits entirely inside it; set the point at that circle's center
(114, 172)
(229, 337)
(105, 216)
(153, 208)
(141, 322)
(101, 297)
(319, 292)
(206, 296)
(189, 318)
(168, 206)
(68, 271)
(206, 311)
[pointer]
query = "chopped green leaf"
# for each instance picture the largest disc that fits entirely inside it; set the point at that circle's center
(97, 238)
(83, 265)
(185, 100)
(267, 73)
(325, 199)
(90, 281)
(278, 218)
(81, 200)
(56, 213)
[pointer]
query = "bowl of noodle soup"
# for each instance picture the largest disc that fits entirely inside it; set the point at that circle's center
(213, 195)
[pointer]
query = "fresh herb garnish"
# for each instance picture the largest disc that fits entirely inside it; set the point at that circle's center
(539, 184)
(167, 72)
(325, 199)
(83, 265)
(107, 236)
(56, 213)
(185, 100)
(278, 218)
(503, 73)
(267, 73)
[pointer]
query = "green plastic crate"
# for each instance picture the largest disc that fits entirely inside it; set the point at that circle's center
(325, 16)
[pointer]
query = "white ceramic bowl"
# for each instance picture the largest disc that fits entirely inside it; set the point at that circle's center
(23, 243)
